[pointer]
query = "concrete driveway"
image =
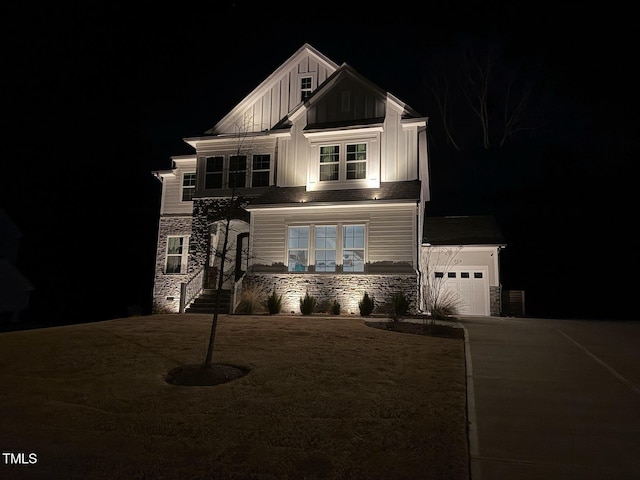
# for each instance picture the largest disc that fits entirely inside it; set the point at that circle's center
(553, 399)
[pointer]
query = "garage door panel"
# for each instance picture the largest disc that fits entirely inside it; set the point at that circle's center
(472, 285)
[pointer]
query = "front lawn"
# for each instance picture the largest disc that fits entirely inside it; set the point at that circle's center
(325, 397)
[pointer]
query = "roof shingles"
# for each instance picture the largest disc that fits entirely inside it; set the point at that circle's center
(407, 190)
(462, 230)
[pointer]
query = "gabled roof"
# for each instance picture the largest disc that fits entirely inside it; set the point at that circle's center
(306, 49)
(347, 71)
(343, 73)
(462, 230)
(407, 191)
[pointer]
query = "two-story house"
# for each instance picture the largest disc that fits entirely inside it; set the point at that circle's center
(334, 177)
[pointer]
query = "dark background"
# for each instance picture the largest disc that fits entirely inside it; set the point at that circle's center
(97, 96)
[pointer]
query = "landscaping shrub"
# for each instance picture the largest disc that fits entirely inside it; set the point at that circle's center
(448, 304)
(274, 303)
(399, 305)
(308, 304)
(335, 308)
(366, 305)
(252, 299)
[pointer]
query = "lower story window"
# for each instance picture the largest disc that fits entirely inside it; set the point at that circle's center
(353, 248)
(298, 249)
(326, 247)
(177, 251)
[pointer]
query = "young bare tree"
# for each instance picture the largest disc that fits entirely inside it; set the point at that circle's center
(438, 300)
(225, 211)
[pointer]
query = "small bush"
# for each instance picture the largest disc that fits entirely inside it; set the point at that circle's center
(274, 303)
(366, 305)
(307, 304)
(399, 305)
(335, 308)
(448, 304)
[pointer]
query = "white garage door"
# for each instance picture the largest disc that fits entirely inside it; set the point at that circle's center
(472, 284)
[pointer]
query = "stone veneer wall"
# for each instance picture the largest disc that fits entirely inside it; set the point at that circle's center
(166, 290)
(348, 289)
(495, 300)
(200, 235)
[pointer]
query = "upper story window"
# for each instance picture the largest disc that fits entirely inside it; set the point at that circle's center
(177, 251)
(343, 162)
(329, 162)
(305, 88)
(260, 170)
(237, 171)
(214, 168)
(188, 186)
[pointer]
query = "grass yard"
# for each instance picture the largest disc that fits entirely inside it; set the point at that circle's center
(325, 397)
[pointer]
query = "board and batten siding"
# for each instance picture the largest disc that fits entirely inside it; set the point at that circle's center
(391, 231)
(271, 102)
(399, 150)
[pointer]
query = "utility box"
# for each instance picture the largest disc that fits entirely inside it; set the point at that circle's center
(513, 303)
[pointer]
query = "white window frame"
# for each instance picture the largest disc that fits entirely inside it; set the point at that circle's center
(339, 249)
(304, 90)
(260, 170)
(298, 248)
(369, 136)
(183, 256)
(191, 187)
(342, 161)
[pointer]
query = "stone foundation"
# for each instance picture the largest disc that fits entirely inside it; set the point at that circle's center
(166, 289)
(347, 289)
(495, 299)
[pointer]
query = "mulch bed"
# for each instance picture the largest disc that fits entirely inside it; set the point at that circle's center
(431, 329)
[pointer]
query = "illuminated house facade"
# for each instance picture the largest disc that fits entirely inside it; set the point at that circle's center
(333, 176)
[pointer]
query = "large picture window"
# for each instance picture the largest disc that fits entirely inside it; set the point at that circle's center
(177, 251)
(325, 247)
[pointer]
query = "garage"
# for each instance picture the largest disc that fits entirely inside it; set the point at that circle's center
(472, 285)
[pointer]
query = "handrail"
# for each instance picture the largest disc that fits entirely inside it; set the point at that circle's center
(236, 294)
(191, 289)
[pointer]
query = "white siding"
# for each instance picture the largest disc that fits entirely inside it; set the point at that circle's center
(391, 231)
(271, 101)
(172, 188)
(392, 235)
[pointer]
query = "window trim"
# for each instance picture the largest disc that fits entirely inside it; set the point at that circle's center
(183, 255)
(369, 136)
(305, 90)
(188, 188)
(339, 250)
(260, 170)
(226, 169)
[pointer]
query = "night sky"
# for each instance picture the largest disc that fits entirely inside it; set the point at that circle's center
(96, 96)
